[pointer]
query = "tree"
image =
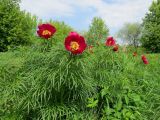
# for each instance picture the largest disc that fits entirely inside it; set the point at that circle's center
(16, 27)
(151, 28)
(98, 31)
(130, 33)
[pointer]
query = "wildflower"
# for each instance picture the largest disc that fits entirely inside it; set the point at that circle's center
(115, 48)
(110, 41)
(75, 43)
(144, 59)
(46, 30)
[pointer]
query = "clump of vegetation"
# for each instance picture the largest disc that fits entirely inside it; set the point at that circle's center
(151, 34)
(99, 85)
(17, 27)
(97, 32)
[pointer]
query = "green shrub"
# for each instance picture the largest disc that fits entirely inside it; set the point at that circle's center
(16, 26)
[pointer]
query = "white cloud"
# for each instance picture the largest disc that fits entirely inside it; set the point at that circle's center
(115, 13)
(47, 8)
(127, 11)
(119, 11)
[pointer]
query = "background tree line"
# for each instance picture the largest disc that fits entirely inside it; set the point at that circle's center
(146, 34)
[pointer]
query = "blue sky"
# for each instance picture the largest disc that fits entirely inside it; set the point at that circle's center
(79, 13)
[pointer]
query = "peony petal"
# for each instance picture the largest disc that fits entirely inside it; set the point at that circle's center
(48, 27)
(73, 36)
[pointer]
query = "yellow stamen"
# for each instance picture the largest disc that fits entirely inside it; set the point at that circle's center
(74, 46)
(46, 32)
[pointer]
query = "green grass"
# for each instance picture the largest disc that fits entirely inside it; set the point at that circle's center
(55, 85)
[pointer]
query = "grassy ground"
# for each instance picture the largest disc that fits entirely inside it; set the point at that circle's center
(131, 88)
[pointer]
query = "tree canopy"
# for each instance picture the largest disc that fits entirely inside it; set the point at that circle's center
(16, 25)
(98, 31)
(130, 33)
(151, 28)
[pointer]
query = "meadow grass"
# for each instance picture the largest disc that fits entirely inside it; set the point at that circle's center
(99, 85)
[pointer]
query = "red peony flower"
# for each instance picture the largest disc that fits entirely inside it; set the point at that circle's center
(144, 59)
(135, 54)
(110, 41)
(115, 48)
(75, 43)
(46, 30)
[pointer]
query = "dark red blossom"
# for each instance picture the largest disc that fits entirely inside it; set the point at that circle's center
(75, 43)
(46, 30)
(110, 41)
(144, 59)
(115, 48)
